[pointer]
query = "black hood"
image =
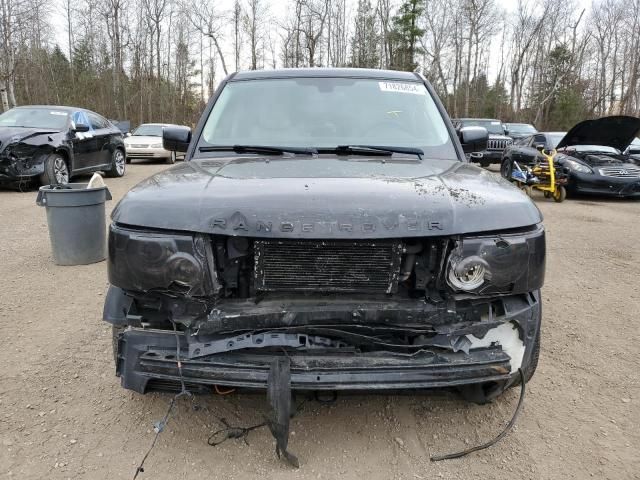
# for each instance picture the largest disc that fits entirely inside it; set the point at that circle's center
(326, 197)
(617, 132)
(10, 135)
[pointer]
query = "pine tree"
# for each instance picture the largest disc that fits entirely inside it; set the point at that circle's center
(365, 43)
(405, 34)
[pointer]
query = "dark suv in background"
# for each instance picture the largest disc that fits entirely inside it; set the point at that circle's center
(498, 139)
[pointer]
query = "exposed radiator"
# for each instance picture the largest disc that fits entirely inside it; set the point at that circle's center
(327, 265)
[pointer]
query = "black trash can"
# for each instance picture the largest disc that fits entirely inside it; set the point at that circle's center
(75, 215)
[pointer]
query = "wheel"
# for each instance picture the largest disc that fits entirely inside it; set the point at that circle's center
(118, 164)
(56, 171)
(116, 331)
(172, 158)
(547, 194)
(506, 168)
(559, 194)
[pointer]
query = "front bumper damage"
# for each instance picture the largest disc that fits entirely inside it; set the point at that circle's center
(456, 350)
(19, 168)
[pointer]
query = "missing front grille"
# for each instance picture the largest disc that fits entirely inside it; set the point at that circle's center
(327, 266)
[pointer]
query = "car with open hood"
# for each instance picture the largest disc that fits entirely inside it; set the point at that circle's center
(327, 219)
(51, 144)
(591, 154)
(498, 139)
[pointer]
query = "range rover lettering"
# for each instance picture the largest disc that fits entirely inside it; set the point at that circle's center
(327, 218)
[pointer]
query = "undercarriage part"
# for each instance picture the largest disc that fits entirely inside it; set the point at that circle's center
(261, 340)
(279, 397)
(507, 429)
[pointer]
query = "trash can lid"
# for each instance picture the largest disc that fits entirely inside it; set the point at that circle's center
(71, 195)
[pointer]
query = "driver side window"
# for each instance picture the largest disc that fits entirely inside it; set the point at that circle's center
(79, 118)
(539, 139)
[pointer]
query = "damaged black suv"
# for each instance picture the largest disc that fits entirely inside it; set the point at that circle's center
(327, 217)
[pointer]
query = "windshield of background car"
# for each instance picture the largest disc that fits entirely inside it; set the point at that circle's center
(327, 112)
(148, 131)
(554, 138)
(494, 127)
(35, 118)
(521, 128)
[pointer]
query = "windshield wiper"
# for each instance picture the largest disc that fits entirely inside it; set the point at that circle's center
(265, 149)
(372, 150)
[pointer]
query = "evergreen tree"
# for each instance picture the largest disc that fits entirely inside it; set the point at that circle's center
(405, 34)
(365, 43)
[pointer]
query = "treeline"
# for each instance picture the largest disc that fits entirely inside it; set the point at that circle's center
(544, 61)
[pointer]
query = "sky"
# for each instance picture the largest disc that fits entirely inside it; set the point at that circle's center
(278, 9)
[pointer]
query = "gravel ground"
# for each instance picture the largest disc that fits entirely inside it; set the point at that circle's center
(63, 413)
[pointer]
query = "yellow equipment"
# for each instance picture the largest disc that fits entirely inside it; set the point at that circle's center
(543, 176)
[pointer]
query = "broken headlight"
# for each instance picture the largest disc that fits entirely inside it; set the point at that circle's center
(506, 263)
(145, 261)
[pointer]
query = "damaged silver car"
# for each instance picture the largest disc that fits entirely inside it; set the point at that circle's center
(326, 218)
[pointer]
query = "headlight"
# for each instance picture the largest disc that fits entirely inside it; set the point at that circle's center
(156, 145)
(143, 261)
(577, 166)
(468, 274)
(509, 263)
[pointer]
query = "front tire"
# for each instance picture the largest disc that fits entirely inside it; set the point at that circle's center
(56, 171)
(172, 158)
(506, 168)
(560, 194)
(118, 164)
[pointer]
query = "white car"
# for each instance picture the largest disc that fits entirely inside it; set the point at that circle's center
(145, 143)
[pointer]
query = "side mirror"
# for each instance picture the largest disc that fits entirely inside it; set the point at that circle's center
(473, 139)
(506, 132)
(176, 139)
(539, 146)
(81, 127)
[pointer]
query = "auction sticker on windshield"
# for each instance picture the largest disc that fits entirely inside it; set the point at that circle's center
(399, 87)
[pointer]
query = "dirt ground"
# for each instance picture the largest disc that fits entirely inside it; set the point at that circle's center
(64, 415)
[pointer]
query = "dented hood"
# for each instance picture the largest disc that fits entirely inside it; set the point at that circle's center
(9, 135)
(617, 132)
(326, 197)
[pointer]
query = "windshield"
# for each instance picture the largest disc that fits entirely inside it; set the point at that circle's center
(521, 128)
(493, 126)
(34, 118)
(327, 112)
(148, 131)
(554, 138)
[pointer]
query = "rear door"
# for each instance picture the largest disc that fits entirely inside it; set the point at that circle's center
(102, 132)
(84, 143)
